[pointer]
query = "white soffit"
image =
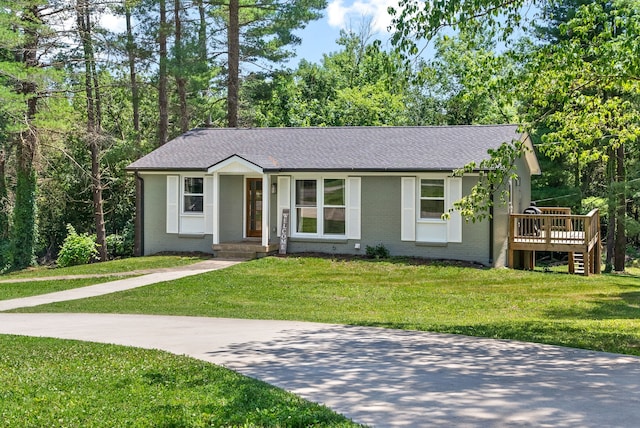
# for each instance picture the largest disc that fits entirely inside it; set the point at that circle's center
(236, 165)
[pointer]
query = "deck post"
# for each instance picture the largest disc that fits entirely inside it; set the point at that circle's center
(587, 262)
(572, 266)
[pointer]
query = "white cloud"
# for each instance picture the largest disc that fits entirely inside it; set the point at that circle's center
(341, 15)
(115, 23)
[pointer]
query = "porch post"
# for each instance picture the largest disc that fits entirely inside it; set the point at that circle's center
(266, 215)
(216, 208)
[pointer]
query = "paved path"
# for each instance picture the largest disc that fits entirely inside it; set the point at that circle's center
(381, 377)
(159, 275)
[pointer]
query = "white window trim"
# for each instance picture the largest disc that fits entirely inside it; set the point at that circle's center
(184, 193)
(320, 208)
(421, 198)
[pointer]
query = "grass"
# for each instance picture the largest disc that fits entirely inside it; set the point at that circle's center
(600, 312)
(14, 290)
(114, 266)
(61, 383)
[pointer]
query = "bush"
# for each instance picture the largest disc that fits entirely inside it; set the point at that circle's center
(378, 252)
(77, 249)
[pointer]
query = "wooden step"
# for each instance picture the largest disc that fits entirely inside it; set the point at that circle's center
(578, 263)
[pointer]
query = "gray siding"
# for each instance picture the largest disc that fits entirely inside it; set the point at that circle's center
(521, 198)
(231, 208)
(156, 239)
(381, 225)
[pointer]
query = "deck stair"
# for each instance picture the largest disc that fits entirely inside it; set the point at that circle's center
(245, 250)
(578, 263)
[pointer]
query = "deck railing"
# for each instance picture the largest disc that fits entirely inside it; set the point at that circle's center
(556, 229)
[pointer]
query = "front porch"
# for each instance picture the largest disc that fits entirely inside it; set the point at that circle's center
(556, 229)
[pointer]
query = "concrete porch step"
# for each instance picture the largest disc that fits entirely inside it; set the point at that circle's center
(243, 250)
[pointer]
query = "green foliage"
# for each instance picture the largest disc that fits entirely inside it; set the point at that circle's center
(377, 252)
(49, 382)
(361, 85)
(77, 249)
(471, 82)
(495, 172)
(24, 231)
(120, 245)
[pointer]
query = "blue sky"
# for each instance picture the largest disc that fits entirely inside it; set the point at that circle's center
(319, 37)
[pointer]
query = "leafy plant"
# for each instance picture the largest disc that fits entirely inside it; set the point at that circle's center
(76, 249)
(119, 245)
(378, 252)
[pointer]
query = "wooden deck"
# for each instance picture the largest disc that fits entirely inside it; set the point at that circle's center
(556, 229)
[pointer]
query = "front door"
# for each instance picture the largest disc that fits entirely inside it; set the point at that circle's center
(254, 207)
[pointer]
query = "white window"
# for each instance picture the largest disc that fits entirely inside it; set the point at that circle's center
(431, 198)
(321, 207)
(193, 195)
(306, 206)
(334, 207)
(424, 200)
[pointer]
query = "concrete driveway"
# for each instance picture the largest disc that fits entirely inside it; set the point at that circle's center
(385, 378)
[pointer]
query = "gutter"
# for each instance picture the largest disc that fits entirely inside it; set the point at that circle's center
(138, 246)
(491, 228)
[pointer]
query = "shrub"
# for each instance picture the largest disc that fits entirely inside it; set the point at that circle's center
(76, 249)
(378, 252)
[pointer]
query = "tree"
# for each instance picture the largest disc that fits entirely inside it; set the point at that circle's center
(259, 30)
(94, 118)
(24, 37)
(362, 84)
(470, 80)
(581, 88)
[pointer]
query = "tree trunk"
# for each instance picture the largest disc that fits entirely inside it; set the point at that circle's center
(131, 54)
(163, 101)
(4, 207)
(202, 46)
(611, 213)
(233, 46)
(93, 123)
(621, 208)
(181, 81)
(202, 32)
(24, 211)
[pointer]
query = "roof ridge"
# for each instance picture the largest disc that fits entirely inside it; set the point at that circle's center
(279, 128)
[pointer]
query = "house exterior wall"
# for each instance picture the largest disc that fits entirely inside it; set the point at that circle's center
(156, 239)
(520, 198)
(381, 214)
(231, 208)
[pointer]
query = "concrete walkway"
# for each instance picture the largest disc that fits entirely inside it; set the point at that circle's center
(381, 377)
(159, 275)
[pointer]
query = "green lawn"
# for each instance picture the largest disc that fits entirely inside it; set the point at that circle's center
(600, 312)
(14, 290)
(110, 267)
(61, 383)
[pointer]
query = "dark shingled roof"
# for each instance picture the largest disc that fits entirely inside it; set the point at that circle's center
(438, 148)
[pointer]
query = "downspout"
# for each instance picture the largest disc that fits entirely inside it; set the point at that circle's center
(491, 227)
(138, 246)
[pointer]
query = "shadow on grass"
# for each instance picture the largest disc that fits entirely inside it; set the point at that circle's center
(551, 332)
(620, 306)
